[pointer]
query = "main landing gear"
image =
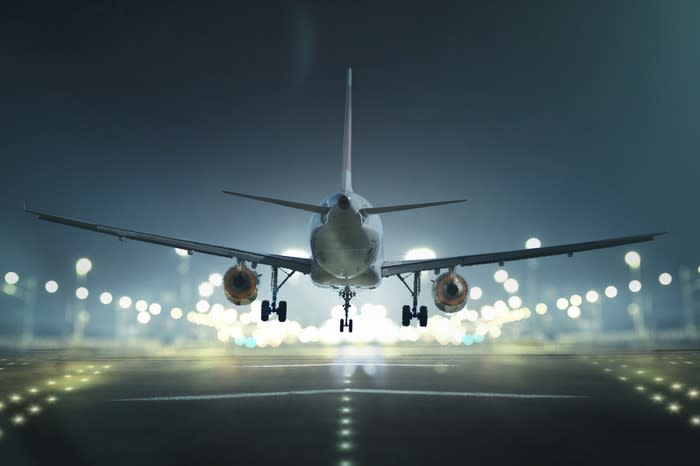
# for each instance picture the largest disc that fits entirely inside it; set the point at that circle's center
(347, 294)
(268, 307)
(409, 312)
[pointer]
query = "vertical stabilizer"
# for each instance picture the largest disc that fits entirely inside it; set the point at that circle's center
(347, 137)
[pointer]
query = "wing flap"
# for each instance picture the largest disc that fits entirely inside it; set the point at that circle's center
(400, 267)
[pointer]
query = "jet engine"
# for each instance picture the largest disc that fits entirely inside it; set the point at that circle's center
(450, 292)
(241, 285)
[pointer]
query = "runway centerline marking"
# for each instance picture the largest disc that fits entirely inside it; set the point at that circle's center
(326, 364)
(362, 391)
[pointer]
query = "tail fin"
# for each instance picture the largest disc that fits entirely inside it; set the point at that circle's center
(347, 137)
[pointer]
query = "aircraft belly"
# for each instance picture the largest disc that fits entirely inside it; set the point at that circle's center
(344, 252)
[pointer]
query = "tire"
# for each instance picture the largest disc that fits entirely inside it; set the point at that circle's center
(342, 325)
(423, 316)
(282, 311)
(265, 311)
(406, 316)
(350, 325)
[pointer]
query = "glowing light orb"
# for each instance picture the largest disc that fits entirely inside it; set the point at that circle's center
(419, 254)
(51, 286)
(154, 309)
(562, 304)
(533, 243)
(500, 276)
(610, 291)
(81, 293)
(575, 300)
(633, 259)
(592, 296)
(11, 278)
(143, 317)
(293, 252)
(511, 285)
(488, 313)
(515, 302)
(475, 293)
(125, 302)
(574, 312)
(141, 305)
(665, 279)
(216, 279)
(182, 252)
(202, 305)
(176, 313)
(541, 308)
(83, 266)
(205, 289)
(106, 297)
(635, 286)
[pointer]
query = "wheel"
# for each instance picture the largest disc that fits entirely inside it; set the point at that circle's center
(350, 325)
(265, 311)
(406, 316)
(342, 325)
(282, 311)
(423, 316)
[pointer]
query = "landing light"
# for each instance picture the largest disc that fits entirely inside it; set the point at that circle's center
(421, 253)
(533, 243)
(182, 252)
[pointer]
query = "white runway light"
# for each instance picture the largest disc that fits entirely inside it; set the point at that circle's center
(610, 291)
(665, 278)
(106, 297)
(51, 286)
(228, 396)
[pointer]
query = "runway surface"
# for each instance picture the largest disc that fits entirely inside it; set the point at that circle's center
(349, 406)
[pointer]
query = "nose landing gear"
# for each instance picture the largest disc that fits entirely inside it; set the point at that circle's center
(347, 294)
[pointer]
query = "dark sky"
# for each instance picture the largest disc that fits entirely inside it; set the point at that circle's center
(568, 120)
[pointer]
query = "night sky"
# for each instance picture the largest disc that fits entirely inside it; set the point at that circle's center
(568, 121)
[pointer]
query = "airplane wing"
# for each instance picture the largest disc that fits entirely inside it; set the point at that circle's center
(390, 268)
(286, 262)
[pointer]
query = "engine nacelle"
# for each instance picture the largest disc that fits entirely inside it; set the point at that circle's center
(241, 285)
(450, 292)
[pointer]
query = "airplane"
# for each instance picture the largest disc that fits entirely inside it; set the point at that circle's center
(347, 250)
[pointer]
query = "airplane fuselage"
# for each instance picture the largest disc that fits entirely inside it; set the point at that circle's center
(346, 246)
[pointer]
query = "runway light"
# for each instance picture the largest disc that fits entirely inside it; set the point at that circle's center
(475, 293)
(51, 286)
(419, 254)
(676, 386)
(533, 243)
(143, 317)
(511, 285)
(633, 259)
(665, 278)
(610, 291)
(574, 312)
(635, 286)
(205, 289)
(141, 305)
(541, 308)
(11, 278)
(500, 276)
(657, 398)
(51, 399)
(575, 300)
(82, 293)
(154, 308)
(695, 421)
(176, 313)
(125, 302)
(182, 252)
(34, 409)
(562, 304)
(592, 296)
(18, 420)
(674, 407)
(106, 297)
(15, 398)
(693, 393)
(83, 266)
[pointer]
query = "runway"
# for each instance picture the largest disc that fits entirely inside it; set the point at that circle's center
(349, 406)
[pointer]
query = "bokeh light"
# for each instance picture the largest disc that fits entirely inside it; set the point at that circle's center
(141, 305)
(51, 286)
(106, 297)
(610, 291)
(574, 312)
(125, 302)
(635, 286)
(205, 289)
(592, 296)
(143, 317)
(83, 266)
(533, 243)
(154, 308)
(176, 313)
(541, 308)
(475, 293)
(562, 304)
(82, 293)
(633, 259)
(575, 300)
(665, 278)
(500, 276)
(511, 285)
(11, 278)
(216, 279)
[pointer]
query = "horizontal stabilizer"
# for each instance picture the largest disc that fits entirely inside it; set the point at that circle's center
(294, 205)
(396, 208)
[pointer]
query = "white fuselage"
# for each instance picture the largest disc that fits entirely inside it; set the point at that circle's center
(346, 246)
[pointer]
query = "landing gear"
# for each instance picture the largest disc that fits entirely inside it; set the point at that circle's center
(409, 312)
(268, 307)
(347, 294)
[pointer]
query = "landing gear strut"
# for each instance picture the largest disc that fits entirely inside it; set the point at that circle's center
(347, 294)
(410, 312)
(268, 307)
